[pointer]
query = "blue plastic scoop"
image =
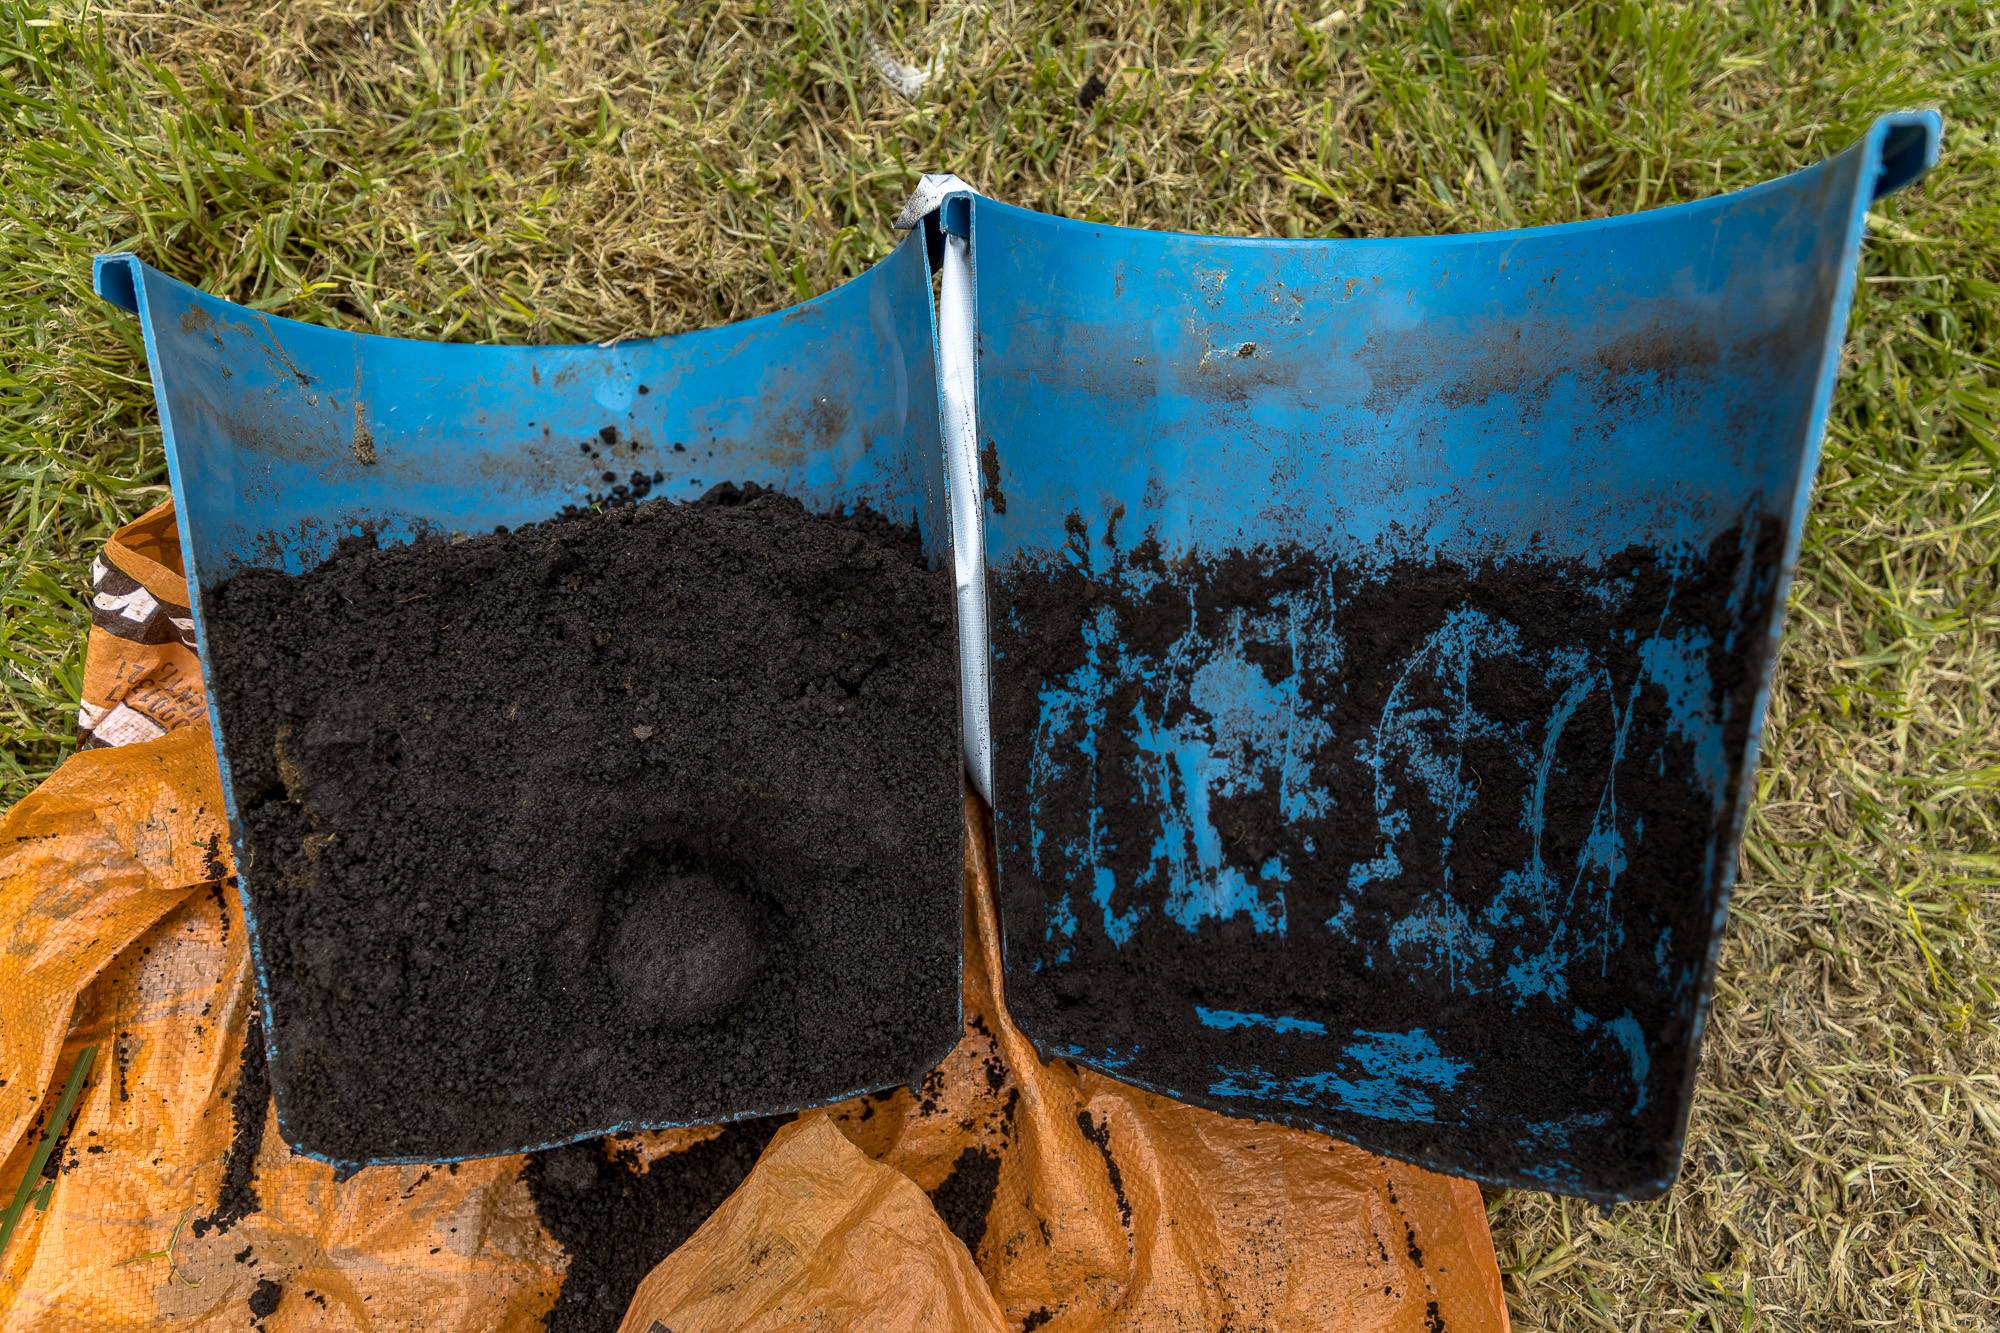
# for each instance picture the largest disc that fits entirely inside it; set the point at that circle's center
(1381, 634)
(283, 438)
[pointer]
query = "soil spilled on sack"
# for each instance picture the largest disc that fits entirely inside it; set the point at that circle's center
(618, 1221)
(249, 1107)
(264, 1300)
(1423, 852)
(965, 1197)
(641, 815)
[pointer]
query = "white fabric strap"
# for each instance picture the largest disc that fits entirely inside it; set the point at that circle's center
(958, 406)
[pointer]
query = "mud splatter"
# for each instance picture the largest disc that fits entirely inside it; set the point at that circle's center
(1245, 796)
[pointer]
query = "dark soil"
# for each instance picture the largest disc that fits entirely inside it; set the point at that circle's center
(618, 1222)
(248, 1108)
(1099, 1133)
(964, 1197)
(264, 1300)
(645, 815)
(1354, 892)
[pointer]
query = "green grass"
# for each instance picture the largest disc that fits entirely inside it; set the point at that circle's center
(472, 169)
(34, 1189)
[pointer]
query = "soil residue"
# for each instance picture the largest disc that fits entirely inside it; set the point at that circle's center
(1099, 1134)
(1344, 915)
(264, 1300)
(363, 441)
(249, 1107)
(989, 472)
(618, 1221)
(636, 816)
(964, 1197)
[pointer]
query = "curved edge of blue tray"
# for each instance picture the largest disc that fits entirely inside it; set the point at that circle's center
(1902, 147)
(120, 278)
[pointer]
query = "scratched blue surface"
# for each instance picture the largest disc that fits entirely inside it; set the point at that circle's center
(284, 437)
(1555, 395)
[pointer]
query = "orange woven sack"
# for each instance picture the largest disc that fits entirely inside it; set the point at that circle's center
(1111, 1208)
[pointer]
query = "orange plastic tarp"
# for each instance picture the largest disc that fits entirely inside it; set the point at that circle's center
(1114, 1209)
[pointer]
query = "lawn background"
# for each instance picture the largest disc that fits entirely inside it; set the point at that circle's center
(541, 171)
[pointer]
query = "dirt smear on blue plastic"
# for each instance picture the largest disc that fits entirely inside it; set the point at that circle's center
(1424, 852)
